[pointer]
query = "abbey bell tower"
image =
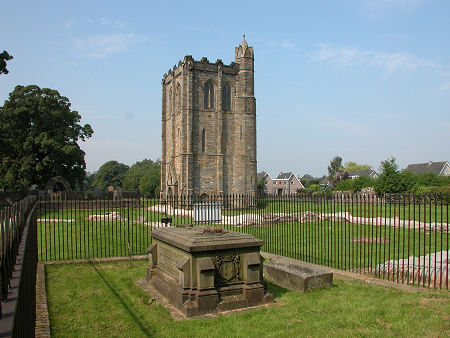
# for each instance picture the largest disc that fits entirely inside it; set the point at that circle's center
(209, 127)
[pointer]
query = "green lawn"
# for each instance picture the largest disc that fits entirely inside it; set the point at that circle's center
(322, 242)
(81, 238)
(333, 244)
(425, 212)
(104, 299)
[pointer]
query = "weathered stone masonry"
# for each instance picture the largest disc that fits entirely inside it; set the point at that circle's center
(209, 127)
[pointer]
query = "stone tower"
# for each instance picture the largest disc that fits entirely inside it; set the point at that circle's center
(209, 127)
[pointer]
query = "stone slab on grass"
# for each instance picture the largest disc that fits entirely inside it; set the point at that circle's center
(295, 276)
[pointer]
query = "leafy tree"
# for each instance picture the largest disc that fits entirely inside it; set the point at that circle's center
(260, 187)
(308, 180)
(4, 56)
(355, 185)
(353, 166)
(88, 182)
(340, 176)
(343, 185)
(110, 173)
(389, 180)
(363, 182)
(408, 180)
(309, 183)
(335, 166)
(431, 179)
(38, 139)
(144, 176)
(423, 183)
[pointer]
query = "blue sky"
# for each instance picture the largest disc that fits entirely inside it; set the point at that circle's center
(365, 79)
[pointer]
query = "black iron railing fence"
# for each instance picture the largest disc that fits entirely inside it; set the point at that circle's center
(18, 263)
(403, 238)
(13, 219)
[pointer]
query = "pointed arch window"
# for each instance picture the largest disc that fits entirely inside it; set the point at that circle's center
(203, 140)
(170, 100)
(209, 95)
(226, 97)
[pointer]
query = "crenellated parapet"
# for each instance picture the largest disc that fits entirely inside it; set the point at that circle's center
(188, 63)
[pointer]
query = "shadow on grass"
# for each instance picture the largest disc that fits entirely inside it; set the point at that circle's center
(144, 329)
(275, 290)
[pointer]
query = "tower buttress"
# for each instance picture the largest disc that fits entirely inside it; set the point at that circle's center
(245, 58)
(245, 123)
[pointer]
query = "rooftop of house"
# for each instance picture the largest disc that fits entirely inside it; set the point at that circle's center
(361, 172)
(260, 175)
(429, 167)
(284, 176)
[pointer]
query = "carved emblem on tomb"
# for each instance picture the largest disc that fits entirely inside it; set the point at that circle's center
(227, 269)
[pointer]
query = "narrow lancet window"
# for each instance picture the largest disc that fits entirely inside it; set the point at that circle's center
(209, 95)
(203, 140)
(226, 97)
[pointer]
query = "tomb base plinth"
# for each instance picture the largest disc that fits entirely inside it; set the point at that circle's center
(200, 270)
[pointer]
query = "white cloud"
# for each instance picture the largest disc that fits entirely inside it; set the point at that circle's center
(344, 56)
(104, 21)
(107, 22)
(103, 46)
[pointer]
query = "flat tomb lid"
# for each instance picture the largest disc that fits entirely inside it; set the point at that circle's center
(195, 239)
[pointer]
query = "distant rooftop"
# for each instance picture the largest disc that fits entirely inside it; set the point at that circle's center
(361, 172)
(429, 167)
(284, 176)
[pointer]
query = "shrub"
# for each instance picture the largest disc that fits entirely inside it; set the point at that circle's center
(363, 182)
(344, 185)
(389, 180)
(323, 193)
(356, 184)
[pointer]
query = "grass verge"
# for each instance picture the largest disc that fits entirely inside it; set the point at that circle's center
(104, 299)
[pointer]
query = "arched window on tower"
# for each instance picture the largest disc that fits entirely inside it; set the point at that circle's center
(209, 95)
(170, 100)
(226, 97)
(203, 140)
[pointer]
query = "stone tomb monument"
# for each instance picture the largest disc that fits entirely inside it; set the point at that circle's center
(202, 270)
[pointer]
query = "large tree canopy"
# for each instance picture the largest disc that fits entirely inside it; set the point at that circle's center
(110, 173)
(38, 139)
(335, 166)
(4, 56)
(353, 166)
(144, 176)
